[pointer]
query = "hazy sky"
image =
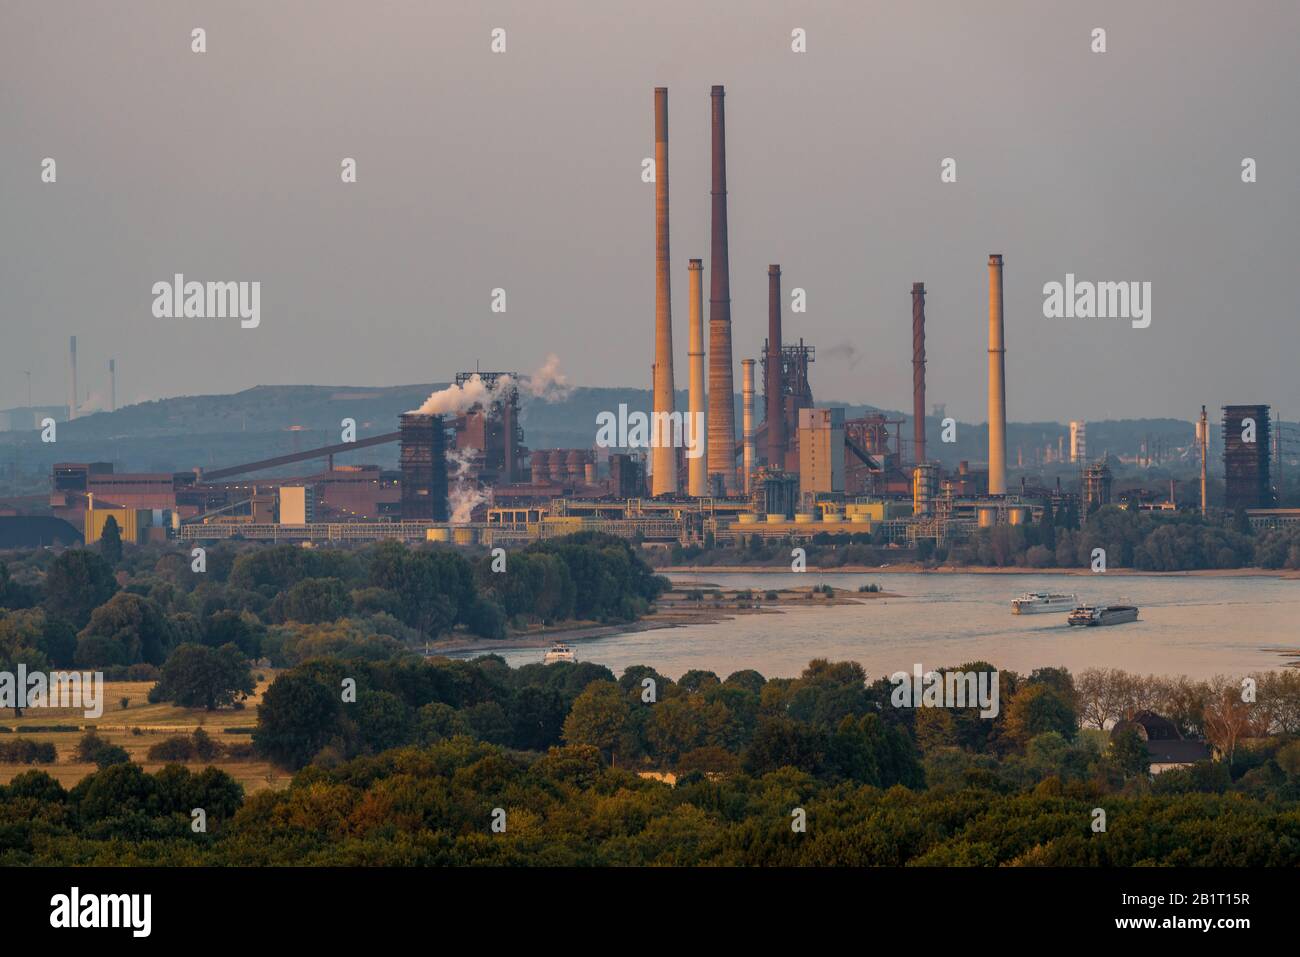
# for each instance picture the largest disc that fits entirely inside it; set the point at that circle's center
(522, 170)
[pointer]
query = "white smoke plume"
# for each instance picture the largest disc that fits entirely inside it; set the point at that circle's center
(455, 399)
(548, 383)
(465, 493)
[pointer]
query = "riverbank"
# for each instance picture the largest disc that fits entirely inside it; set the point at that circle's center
(914, 568)
(674, 609)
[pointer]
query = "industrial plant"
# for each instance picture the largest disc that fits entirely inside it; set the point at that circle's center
(466, 474)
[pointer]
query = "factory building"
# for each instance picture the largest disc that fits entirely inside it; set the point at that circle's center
(821, 450)
(1247, 439)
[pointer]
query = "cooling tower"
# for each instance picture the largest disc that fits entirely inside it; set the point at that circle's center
(722, 413)
(773, 384)
(747, 409)
(997, 383)
(697, 481)
(918, 370)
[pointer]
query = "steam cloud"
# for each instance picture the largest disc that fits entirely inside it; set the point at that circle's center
(465, 493)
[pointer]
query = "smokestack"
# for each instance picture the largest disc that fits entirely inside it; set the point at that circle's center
(72, 376)
(664, 461)
(918, 370)
(997, 383)
(697, 482)
(747, 406)
(773, 383)
(722, 413)
(1203, 440)
(112, 385)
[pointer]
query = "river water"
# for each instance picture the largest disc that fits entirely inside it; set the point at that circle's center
(1196, 626)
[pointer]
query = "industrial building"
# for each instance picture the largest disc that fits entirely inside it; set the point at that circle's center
(1246, 457)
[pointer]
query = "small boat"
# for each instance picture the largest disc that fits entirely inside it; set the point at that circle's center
(1037, 603)
(1089, 615)
(558, 652)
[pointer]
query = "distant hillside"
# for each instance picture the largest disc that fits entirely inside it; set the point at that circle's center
(214, 430)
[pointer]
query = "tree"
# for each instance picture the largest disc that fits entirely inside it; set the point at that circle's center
(196, 676)
(1129, 753)
(1227, 717)
(77, 583)
(297, 717)
(313, 601)
(110, 542)
(598, 717)
(1037, 709)
(126, 629)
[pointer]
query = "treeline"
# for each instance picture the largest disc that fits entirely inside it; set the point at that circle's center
(128, 611)
(412, 762)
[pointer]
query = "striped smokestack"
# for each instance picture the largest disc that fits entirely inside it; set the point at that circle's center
(722, 412)
(773, 385)
(747, 411)
(997, 383)
(663, 458)
(918, 370)
(697, 478)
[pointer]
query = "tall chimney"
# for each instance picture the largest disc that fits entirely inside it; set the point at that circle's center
(663, 457)
(72, 377)
(697, 476)
(918, 370)
(722, 412)
(997, 383)
(1203, 440)
(774, 385)
(112, 385)
(747, 407)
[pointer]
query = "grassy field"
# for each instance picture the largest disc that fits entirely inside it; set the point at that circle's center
(138, 727)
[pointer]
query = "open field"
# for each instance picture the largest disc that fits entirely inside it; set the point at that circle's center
(137, 728)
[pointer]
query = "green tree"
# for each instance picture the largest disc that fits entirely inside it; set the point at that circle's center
(1129, 753)
(598, 717)
(110, 542)
(77, 583)
(297, 717)
(124, 630)
(196, 676)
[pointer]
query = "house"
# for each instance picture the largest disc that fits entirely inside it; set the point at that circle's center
(1166, 747)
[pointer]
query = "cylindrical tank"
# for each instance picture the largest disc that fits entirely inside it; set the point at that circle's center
(465, 536)
(803, 518)
(589, 473)
(925, 487)
(775, 518)
(574, 466)
(832, 518)
(988, 516)
(437, 534)
(1018, 515)
(747, 518)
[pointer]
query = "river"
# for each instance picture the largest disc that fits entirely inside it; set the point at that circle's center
(1195, 626)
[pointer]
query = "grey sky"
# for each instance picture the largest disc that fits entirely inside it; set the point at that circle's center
(522, 171)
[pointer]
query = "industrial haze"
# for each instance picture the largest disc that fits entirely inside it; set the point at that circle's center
(521, 172)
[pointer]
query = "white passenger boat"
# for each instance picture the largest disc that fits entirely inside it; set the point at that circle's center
(1037, 603)
(558, 652)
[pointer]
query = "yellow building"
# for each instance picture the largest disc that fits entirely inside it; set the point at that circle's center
(131, 523)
